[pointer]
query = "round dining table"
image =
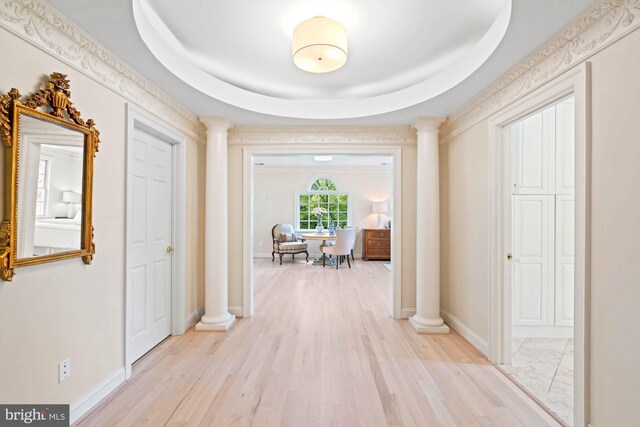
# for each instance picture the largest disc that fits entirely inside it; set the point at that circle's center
(324, 237)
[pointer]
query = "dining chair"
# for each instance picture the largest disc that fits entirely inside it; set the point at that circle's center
(354, 241)
(345, 240)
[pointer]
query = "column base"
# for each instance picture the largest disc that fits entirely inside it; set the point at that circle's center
(217, 324)
(428, 326)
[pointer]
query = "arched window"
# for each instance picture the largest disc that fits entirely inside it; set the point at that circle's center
(322, 192)
(322, 184)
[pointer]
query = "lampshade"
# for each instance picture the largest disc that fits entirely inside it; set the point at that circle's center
(71, 197)
(319, 45)
(380, 207)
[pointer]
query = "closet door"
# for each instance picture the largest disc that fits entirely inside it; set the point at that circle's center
(533, 147)
(564, 259)
(533, 272)
(565, 147)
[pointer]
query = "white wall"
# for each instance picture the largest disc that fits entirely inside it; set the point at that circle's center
(67, 309)
(275, 197)
(615, 232)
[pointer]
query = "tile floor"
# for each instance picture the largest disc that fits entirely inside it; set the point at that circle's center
(544, 366)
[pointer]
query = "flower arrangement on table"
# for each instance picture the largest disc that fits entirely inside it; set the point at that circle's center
(319, 212)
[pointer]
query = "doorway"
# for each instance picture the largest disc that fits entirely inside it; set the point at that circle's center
(154, 259)
(538, 318)
(393, 154)
(541, 168)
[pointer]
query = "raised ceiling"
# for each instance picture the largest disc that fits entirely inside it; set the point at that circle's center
(246, 46)
(240, 52)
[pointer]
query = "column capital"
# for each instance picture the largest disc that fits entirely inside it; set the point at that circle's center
(425, 124)
(216, 123)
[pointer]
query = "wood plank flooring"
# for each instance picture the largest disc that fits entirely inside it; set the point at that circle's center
(321, 350)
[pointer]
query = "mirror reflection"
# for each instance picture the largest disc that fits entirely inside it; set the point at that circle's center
(50, 188)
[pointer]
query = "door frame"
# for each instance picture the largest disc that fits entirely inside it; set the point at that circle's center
(248, 154)
(577, 82)
(137, 118)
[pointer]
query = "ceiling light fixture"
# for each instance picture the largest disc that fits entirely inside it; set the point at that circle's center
(322, 158)
(319, 45)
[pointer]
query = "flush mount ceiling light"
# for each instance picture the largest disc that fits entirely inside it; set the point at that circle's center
(322, 158)
(319, 45)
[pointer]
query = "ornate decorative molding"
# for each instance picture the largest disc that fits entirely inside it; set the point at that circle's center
(603, 24)
(44, 27)
(365, 135)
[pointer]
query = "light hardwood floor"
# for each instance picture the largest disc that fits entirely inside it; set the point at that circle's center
(321, 350)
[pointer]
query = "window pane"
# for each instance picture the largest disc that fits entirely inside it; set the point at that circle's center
(333, 199)
(304, 208)
(342, 216)
(39, 208)
(42, 167)
(41, 181)
(41, 195)
(312, 225)
(304, 216)
(333, 207)
(344, 207)
(304, 199)
(333, 216)
(343, 198)
(342, 224)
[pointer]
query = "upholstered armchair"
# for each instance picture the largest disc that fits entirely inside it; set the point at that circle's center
(285, 241)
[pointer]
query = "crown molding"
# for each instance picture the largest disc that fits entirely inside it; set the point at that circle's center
(364, 135)
(600, 26)
(322, 169)
(46, 28)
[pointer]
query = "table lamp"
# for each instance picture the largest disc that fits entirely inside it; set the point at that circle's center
(380, 208)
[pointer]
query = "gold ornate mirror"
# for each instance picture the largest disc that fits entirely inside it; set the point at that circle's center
(49, 151)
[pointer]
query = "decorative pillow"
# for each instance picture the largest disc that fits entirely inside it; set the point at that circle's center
(287, 237)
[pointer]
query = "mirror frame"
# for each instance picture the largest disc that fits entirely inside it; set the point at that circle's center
(53, 105)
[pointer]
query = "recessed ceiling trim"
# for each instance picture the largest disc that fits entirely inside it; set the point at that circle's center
(168, 50)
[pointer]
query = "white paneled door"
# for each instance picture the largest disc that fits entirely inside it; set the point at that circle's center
(533, 249)
(150, 250)
(565, 230)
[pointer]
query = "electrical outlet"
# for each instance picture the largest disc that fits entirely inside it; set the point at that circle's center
(64, 370)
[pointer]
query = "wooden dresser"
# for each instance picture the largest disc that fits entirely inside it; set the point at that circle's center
(376, 243)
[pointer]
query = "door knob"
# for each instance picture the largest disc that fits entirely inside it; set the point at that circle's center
(169, 249)
(509, 256)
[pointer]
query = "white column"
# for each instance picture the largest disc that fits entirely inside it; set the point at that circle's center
(427, 319)
(216, 287)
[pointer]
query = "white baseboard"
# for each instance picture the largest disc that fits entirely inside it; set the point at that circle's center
(466, 332)
(193, 318)
(91, 399)
(406, 313)
(561, 332)
(236, 311)
(262, 254)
